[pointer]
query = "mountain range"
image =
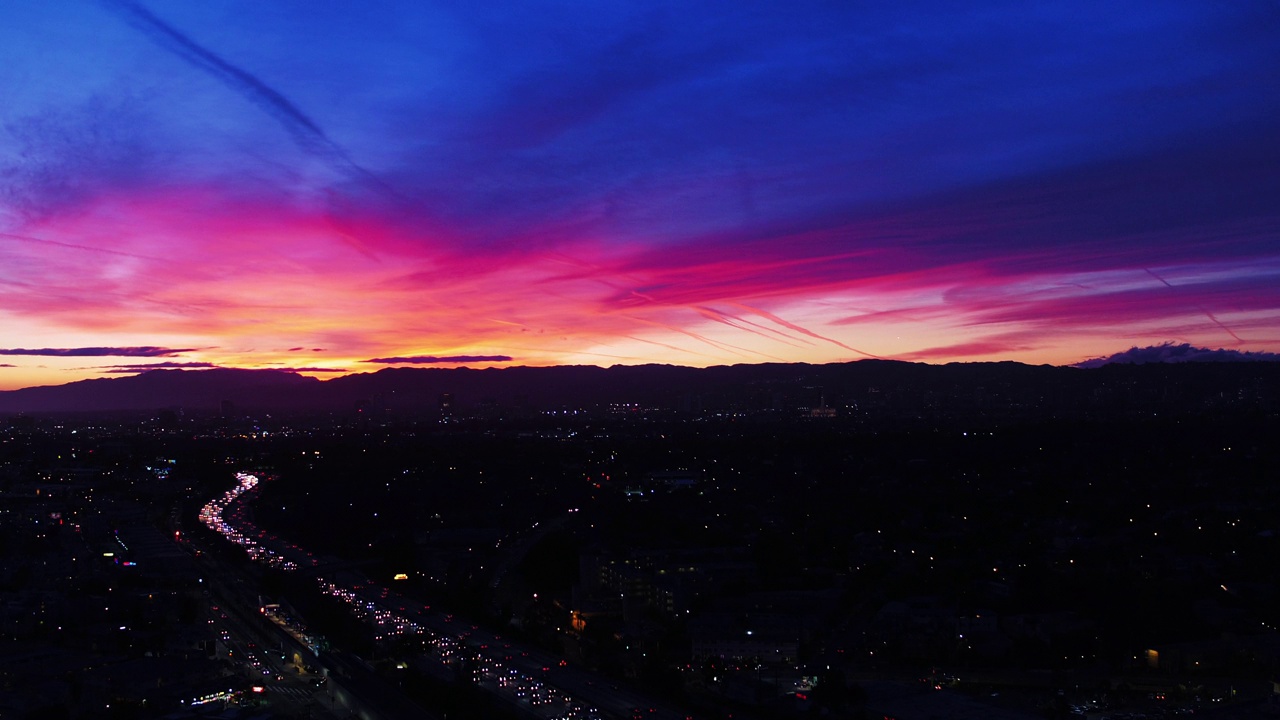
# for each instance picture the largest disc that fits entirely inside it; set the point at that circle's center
(778, 386)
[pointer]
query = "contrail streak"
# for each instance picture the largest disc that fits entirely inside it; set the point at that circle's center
(306, 133)
(75, 246)
(743, 352)
(802, 331)
(1153, 274)
(1201, 308)
(1220, 324)
(665, 345)
(734, 321)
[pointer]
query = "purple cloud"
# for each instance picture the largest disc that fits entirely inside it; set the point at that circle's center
(1168, 352)
(125, 369)
(431, 359)
(142, 351)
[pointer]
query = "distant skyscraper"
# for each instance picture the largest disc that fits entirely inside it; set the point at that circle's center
(446, 406)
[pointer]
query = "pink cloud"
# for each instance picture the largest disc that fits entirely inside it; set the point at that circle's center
(367, 276)
(977, 348)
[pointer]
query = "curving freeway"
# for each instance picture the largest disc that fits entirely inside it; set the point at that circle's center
(537, 683)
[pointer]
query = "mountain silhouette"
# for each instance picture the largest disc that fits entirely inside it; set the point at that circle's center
(862, 385)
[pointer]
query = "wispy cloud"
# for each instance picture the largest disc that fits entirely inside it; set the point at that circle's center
(995, 347)
(62, 157)
(74, 246)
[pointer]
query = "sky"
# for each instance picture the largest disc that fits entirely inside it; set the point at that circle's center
(334, 187)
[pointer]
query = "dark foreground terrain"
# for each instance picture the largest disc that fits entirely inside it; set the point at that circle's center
(856, 553)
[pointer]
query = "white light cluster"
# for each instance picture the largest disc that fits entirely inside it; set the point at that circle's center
(253, 540)
(388, 614)
(387, 623)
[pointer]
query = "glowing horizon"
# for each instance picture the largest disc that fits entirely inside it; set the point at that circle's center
(332, 190)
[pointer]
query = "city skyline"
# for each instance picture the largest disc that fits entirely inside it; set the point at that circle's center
(331, 189)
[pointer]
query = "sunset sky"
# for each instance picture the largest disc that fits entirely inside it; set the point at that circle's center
(338, 187)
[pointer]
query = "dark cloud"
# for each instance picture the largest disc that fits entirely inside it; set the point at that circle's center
(431, 359)
(128, 369)
(123, 369)
(1170, 353)
(143, 351)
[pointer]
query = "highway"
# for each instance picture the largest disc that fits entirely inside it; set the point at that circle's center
(537, 683)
